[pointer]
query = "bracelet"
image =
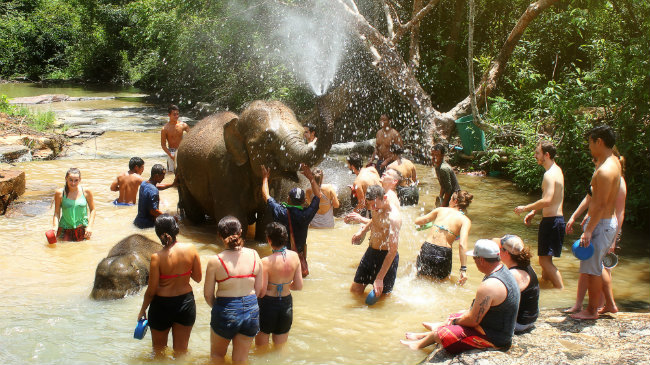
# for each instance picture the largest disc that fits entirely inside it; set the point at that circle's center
(463, 268)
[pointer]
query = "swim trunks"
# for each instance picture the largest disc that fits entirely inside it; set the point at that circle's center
(371, 264)
(602, 238)
(276, 314)
(165, 311)
(550, 236)
(408, 195)
(115, 202)
(72, 234)
(171, 163)
(434, 261)
(233, 315)
(456, 339)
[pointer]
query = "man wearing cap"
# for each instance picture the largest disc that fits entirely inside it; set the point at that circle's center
(378, 265)
(490, 321)
(293, 215)
(516, 257)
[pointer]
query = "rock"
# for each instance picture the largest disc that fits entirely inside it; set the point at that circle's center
(71, 133)
(12, 185)
(10, 153)
(40, 99)
(622, 338)
(90, 132)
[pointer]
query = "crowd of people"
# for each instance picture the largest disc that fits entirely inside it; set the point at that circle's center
(251, 298)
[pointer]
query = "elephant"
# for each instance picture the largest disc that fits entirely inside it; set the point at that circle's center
(126, 268)
(219, 161)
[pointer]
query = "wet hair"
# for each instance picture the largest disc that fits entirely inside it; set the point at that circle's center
(463, 199)
(396, 149)
(395, 175)
(157, 169)
(513, 243)
(548, 147)
(440, 147)
(318, 175)
(277, 234)
(374, 191)
(166, 229)
(311, 127)
(71, 171)
(355, 160)
(171, 108)
(229, 229)
(604, 132)
(522, 259)
(621, 159)
(135, 161)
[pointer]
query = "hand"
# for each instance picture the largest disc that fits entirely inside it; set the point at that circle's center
(520, 209)
(89, 232)
(529, 217)
(305, 170)
(379, 287)
(265, 172)
(353, 217)
(358, 237)
(585, 238)
(463, 278)
(142, 314)
(569, 226)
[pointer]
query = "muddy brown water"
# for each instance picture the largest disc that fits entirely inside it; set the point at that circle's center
(47, 317)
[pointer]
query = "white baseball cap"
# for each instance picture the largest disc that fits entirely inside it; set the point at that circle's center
(485, 248)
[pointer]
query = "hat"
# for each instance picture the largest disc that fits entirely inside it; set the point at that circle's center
(512, 244)
(485, 248)
(297, 195)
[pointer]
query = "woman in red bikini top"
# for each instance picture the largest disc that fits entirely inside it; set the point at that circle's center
(169, 295)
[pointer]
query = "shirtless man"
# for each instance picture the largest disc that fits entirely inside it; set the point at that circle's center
(378, 265)
(407, 190)
(602, 225)
(551, 229)
(386, 136)
(171, 136)
(389, 181)
(128, 183)
(366, 176)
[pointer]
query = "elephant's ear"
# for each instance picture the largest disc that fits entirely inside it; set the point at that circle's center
(235, 142)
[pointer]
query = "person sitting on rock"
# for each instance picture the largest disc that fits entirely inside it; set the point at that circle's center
(490, 320)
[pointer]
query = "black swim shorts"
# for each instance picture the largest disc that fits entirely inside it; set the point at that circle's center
(371, 264)
(276, 314)
(165, 311)
(550, 236)
(434, 261)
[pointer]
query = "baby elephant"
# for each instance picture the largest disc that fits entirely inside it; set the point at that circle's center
(126, 268)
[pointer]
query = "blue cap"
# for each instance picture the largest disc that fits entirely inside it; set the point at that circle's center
(297, 195)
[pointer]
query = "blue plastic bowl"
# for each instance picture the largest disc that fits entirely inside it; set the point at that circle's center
(582, 253)
(372, 298)
(141, 329)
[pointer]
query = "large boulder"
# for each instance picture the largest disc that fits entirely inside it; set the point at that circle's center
(12, 185)
(622, 338)
(126, 268)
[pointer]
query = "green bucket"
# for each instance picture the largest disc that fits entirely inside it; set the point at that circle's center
(471, 136)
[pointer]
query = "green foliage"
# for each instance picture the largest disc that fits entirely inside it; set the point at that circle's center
(40, 121)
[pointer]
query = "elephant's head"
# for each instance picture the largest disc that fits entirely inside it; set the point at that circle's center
(268, 133)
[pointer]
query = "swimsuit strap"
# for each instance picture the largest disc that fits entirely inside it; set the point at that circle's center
(443, 228)
(176, 275)
(251, 275)
(283, 251)
(280, 286)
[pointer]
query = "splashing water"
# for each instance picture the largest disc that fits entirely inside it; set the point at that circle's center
(312, 42)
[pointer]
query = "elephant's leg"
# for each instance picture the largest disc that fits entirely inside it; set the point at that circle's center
(190, 208)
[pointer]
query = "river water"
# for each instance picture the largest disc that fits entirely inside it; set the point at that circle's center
(47, 317)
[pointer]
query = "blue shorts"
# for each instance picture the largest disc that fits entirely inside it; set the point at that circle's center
(550, 236)
(233, 315)
(602, 238)
(115, 202)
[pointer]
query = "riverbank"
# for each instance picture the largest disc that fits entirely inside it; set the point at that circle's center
(621, 338)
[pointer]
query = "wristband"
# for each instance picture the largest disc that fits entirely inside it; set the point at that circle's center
(463, 268)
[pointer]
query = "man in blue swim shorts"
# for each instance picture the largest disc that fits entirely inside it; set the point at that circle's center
(602, 225)
(378, 265)
(551, 228)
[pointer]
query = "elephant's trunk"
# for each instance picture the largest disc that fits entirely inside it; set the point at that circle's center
(325, 133)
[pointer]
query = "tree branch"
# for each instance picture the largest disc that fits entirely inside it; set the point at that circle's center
(389, 19)
(415, 20)
(414, 47)
(498, 65)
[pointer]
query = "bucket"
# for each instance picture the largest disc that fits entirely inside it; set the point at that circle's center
(471, 136)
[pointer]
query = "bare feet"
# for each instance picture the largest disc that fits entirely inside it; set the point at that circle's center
(605, 309)
(573, 309)
(431, 325)
(415, 336)
(413, 345)
(584, 315)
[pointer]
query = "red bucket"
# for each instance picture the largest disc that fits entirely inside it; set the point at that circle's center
(51, 236)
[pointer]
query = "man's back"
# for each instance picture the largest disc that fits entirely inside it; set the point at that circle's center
(367, 176)
(406, 168)
(129, 184)
(499, 321)
(554, 180)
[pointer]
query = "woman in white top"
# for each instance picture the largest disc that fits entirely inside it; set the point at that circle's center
(324, 218)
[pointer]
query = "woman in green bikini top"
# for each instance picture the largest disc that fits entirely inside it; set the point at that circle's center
(74, 209)
(449, 224)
